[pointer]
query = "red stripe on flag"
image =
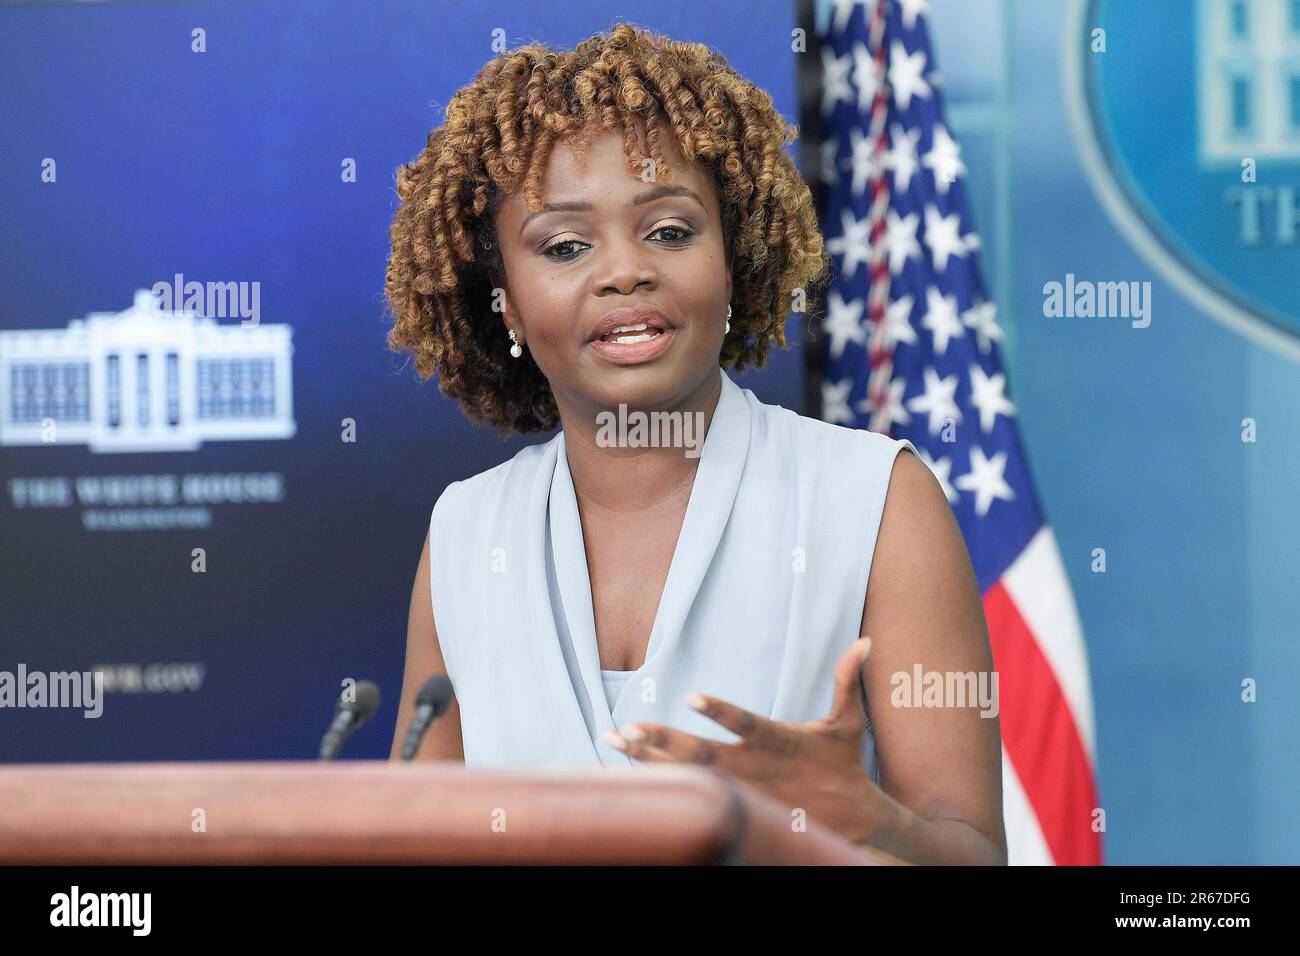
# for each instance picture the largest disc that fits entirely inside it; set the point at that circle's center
(1041, 736)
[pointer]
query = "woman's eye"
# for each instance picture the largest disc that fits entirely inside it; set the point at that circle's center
(564, 255)
(685, 233)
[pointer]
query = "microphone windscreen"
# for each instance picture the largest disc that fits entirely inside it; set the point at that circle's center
(437, 692)
(364, 704)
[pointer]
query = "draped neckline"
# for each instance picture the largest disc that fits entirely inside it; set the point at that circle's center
(713, 494)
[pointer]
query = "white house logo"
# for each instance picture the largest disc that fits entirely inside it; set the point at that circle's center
(146, 380)
(1187, 116)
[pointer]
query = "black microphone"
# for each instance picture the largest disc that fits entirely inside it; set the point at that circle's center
(348, 716)
(430, 704)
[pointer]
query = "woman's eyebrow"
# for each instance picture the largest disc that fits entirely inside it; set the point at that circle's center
(650, 195)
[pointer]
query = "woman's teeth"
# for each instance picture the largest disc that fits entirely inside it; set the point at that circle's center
(631, 334)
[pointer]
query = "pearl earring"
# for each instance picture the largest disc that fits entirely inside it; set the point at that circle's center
(516, 350)
(728, 318)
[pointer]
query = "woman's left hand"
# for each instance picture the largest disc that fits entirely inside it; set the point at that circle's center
(816, 766)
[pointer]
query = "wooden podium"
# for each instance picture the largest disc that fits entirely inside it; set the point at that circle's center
(382, 812)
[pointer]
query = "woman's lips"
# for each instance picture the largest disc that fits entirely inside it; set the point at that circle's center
(634, 353)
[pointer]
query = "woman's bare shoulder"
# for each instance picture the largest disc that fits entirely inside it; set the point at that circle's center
(919, 548)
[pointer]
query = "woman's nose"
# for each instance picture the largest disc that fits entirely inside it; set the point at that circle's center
(625, 265)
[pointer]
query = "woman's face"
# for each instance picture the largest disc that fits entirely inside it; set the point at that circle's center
(617, 241)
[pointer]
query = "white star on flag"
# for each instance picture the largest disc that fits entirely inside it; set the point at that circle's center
(937, 400)
(905, 74)
(985, 479)
(835, 80)
(988, 394)
(941, 318)
(943, 159)
(941, 236)
(854, 244)
(844, 323)
(980, 318)
(900, 157)
(866, 76)
(898, 324)
(900, 239)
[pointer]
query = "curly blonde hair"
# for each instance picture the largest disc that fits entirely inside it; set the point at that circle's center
(498, 134)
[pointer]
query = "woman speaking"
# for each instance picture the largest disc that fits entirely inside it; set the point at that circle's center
(593, 236)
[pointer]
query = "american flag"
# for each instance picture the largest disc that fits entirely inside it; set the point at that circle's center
(910, 348)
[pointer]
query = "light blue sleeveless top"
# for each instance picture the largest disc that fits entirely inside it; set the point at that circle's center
(765, 590)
